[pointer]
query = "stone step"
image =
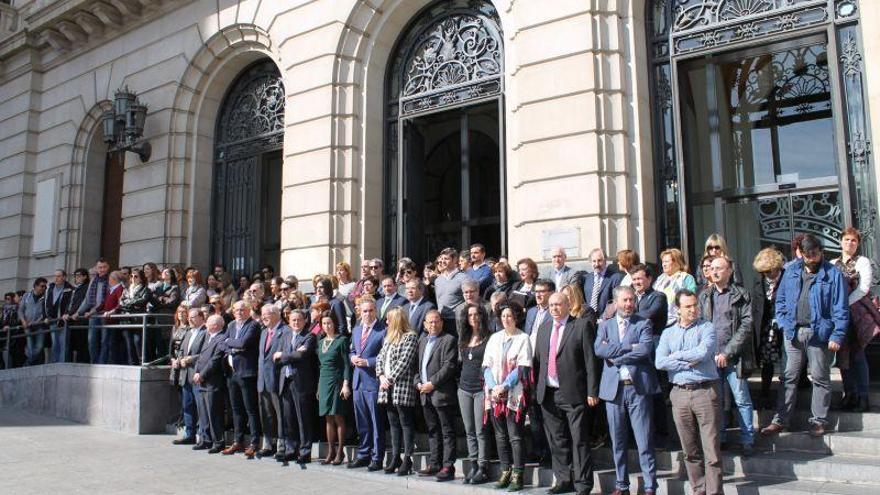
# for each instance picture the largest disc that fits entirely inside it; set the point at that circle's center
(837, 420)
(764, 485)
(805, 466)
(861, 443)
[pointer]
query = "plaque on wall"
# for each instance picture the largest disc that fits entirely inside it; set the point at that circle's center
(568, 238)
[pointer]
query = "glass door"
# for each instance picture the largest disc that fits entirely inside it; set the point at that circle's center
(759, 147)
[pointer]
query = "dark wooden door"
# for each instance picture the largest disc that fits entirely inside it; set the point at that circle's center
(111, 221)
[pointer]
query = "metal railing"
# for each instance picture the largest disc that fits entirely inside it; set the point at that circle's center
(145, 322)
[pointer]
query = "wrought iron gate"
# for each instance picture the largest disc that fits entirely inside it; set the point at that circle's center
(250, 124)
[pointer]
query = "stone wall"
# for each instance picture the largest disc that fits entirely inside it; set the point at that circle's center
(122, 398)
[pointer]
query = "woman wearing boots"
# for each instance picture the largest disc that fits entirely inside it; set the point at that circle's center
(768, 263)
(395, 366)
(506, 370)
(471, 397)
(333, 389)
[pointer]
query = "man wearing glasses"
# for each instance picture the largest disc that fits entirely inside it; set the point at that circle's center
(812, 311)
(31, 312)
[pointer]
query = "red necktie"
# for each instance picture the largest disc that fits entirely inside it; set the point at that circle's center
(364, 337)
(269, 339)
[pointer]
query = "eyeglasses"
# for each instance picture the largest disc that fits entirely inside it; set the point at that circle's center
(374, 267)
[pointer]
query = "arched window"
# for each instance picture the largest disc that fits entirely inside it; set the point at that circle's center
(759, 123)
(444, 164)
(246, 220)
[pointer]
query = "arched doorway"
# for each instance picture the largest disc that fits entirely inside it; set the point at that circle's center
(759, 124)
(246, 219)
(444, 171)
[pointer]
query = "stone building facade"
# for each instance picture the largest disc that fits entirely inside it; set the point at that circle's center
(307, 132)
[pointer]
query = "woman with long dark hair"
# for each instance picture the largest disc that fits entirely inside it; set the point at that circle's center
(475, 331)
(334, 390)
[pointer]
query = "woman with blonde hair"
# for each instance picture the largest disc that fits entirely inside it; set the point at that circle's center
(343, 275)
(768, 264)
(674, 278)
(395, 367)
(576, 296)
(195, 294)
(716, 246)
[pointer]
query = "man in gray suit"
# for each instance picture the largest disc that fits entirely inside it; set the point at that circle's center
(190, 348)
(628, 384)
(267, 381)
(560, 273)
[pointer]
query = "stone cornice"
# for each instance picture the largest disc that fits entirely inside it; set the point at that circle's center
(64, 26)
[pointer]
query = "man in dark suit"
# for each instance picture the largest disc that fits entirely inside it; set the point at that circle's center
(296, 351)
(438, 366)
(536, 316)
(417, 306)
(209, 376)
(628, 387)
(390, 298)
(193, 412)
(566, 344)
(243, 349)
(267, 381)
(366, 342)
(599, 284)
(57, 299)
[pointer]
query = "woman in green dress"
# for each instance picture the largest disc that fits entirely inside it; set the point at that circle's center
(333, 386)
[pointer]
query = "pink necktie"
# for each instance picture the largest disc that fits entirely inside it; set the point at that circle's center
(622, 330)
(269, 339)
(554, 342)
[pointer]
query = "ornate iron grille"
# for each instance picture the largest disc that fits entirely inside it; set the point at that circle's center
(688, 27)
(251, 123)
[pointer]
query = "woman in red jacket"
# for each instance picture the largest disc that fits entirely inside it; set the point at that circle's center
(111, 343)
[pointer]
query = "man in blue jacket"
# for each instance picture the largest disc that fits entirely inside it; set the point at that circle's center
(812, 311)
(243, 354)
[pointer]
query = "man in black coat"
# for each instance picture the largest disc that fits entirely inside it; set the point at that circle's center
(565, 343)
(436, 382)
(209, 376)
(297, 352)
(193, 412)
(243, 349)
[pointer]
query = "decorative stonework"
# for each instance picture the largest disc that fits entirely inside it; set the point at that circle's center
(850, 58)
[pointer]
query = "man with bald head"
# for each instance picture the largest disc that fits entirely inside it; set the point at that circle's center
(273, 333)
(560, 273)
(209, 376)
(566, 343)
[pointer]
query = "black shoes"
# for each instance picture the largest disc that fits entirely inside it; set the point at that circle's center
(216, 450)
(358, 463)
(429, 471)
(392, 466)
(185, 441)
(482, 474)
(446, 474)
(561, 488)
(201, 446)
(405, 468)
(374, 466)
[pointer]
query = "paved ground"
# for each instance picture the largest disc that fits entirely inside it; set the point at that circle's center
(42, 455)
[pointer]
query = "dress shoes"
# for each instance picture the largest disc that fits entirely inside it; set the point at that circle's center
(201, 446)
(184, 441)
(265, 453)
(358, 463)
(429, 471)
(216, 450)
(446, 474)
(561, 488)
(374, 466)
(772, 429)
(232, 449)
(816, 430)
(250, 452)
(300, 459)
(393, 464)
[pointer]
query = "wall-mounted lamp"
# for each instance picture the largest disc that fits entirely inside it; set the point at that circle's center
(124, 125)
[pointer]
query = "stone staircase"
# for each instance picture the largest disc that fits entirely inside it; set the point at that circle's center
(845, 461)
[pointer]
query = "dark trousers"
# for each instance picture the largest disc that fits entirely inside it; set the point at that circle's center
(132, 340)
(441, 431)
(401, 424)
(536, 429)
(212, 406)
(370, 422)
(509, 439)
(298, 410)
(189, 409)
(245, 404)
(272, 420)
(568, 434)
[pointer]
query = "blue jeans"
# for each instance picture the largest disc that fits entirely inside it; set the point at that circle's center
(59, 343)
(190, 412)
(855, 379)
(739, 387)
(35, 345)
(95, 338)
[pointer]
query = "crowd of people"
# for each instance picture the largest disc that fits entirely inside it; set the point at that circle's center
(486, 341)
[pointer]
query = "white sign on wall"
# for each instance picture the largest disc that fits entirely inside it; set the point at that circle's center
(568, 238)
(46, 215)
